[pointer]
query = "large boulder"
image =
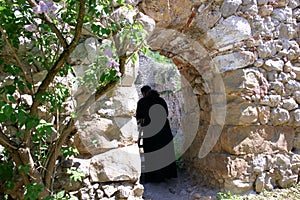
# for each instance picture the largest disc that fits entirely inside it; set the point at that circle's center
(121, 164)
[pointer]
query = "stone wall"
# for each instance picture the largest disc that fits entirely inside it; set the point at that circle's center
(240, 69)
(241, 59)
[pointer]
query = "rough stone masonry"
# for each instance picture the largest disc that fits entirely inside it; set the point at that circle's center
(241, 57)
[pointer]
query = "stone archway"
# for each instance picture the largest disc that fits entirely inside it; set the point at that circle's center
(241, 58)
(203, 90)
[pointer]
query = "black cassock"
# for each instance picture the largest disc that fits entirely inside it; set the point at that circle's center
(158, 146)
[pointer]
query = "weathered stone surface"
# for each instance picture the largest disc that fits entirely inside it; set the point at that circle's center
(121, 164)
(287, 31)
(266, 49)
(124, 192)
(279, 116)
(277, 86)
(128, 128)
(234, 29)
(214, 162)
(229, 7)
(241, 112)
(260, 183)
(83, 165)
(263, 114)
(265, 10)
(274, 65)
(295, 118)
(282, 14)
(234, 60)
(131, 70)
(138, 190)
(237, 186)
(238, 167)
(109, 190)
(296, 70)
(271, 100)
(86, 52)
(147, 22)
(297, 142)
(203, 21)
(289, 104)
(250, 81)
(119, 102)
(257, 139)
(249, 115)
(160, 11)
(297, 96)
(96, 135)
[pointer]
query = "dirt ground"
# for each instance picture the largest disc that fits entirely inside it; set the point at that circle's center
(181, 188)
(185, 188)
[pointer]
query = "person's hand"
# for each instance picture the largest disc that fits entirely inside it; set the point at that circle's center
(139, 143)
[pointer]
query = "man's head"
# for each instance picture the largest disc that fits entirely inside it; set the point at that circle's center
(145, 89)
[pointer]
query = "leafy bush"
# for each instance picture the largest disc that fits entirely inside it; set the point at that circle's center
(37, 38)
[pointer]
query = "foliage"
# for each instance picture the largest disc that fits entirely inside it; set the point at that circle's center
(158, 58)
(62, 195)
(228, 196)
(75, 174)
(32, 191)
(37, 38)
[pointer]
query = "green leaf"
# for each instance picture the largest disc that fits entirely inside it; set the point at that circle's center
(24, 169)
(22, 117)
(105, 31)
(9, 185)
(21, 133)
(60, 194)
(120, 2)
(103, 77)
(10, 98)
(19, 84)
(73, 115)
(32, 191)
(44, 127)
(3, 117)
(75, 174)
(10, 89)
(31, 122)
(6, 171)
(48, 198)
(8, 111)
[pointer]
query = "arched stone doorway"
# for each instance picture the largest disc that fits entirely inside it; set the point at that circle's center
(204, 99)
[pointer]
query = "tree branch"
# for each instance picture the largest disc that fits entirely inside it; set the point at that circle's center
(55, 151)
(49, 78)
(49, 21)
(6, 142)
(70, 127)
(59, 63)
(12, 50)
(12, 148)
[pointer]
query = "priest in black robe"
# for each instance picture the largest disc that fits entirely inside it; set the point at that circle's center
(157, 138)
